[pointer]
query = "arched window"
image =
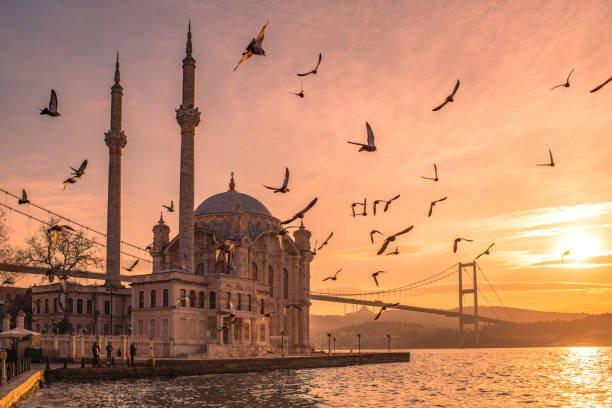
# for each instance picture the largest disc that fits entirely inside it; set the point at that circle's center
(200, 269)
(262, 306)
(192, 298)
(285, 283)
(212, 300)
(153, 298)
(254, 275)
(201, 300)
(271, 280)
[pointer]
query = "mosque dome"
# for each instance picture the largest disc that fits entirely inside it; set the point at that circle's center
(229, 201)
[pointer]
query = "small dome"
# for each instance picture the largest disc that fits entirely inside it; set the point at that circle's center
(228, 202)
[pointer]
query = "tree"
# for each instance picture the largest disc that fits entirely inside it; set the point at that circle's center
(6, 252)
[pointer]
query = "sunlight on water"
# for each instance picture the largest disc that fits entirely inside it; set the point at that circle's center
(545, 377)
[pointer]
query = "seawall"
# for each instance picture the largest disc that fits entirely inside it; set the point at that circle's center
(20, 387)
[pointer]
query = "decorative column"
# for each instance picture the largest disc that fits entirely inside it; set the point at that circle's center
(161, 237)
(302, 240)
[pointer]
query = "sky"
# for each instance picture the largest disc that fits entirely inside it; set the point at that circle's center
(387, 63)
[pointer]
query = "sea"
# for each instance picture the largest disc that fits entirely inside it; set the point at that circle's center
(509, 377)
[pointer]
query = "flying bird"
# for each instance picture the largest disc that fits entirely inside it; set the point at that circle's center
(280, 235)
(80, 171)
(457, 240)
(169, 208)
(314, 71)
(131, 268)
(396, 252)
(301, 93)
(431, 206)
(24, 198)
(148, 248)
(356, 204)
(552, 162)
(58, 229)
(564, 255)
(300, 214)
(486, 252)
(255, 47)
(370, 147)
(387, 203)
(374, 275)
(435, 178)
(391, 238)
(449, 98)
(597, 88)
(385, 308)
(266, 315)
(566, 84)
(282, 189)
(224, 248)
(334, 277)
(51, 110)
(372, 234)
(325, 242)
(69, 180)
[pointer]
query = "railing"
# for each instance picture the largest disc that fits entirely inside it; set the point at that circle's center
(17, 368)
(79, 346)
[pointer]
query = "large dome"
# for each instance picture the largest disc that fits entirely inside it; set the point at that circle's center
(228, 203)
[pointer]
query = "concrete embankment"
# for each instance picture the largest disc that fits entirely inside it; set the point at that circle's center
(20, 387)
(181, 367)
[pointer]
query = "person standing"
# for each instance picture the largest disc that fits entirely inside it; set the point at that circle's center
(95, 351)
(109, 353)
(132, 353)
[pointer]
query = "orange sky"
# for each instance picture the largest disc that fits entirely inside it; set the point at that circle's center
(388, 63)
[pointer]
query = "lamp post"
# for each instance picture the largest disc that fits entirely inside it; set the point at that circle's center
(358, 343)
(389, 343)
(329, 343)
(282, 333)
(334, 345)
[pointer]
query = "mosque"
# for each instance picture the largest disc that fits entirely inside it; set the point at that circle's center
(221, 287)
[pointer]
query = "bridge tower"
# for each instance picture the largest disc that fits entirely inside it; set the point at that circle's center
(465, 268)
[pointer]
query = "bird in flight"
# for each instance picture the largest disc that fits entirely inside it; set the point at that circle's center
(266, 316)
(255, 47)
(449, 98)
(170, 208)
(374, 276)
(387, 203)
(566, 253)
(326, 241)
(552, 162)
(364, 204)
(148, 248)
(58, 229)
(80, 171)
(597, 88)
(69, 180)
(370, 147)
(391, 238)
(301, 93)
(431, 206)
(435, 178)
(334, 277)
(24, 198)
(280, 235)
(566, 84)
(225, 248)
(396, 252)
(385, 308)
(372, 235)
(51, 110)
(457, 240)
(282, 189)
(314, 71)
(300, 214)
(486, 252)
(131, 268)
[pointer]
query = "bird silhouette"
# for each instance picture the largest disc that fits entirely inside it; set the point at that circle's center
(148, 248)
(396, 252)
(301, 93)
(69, 180)
(552, 162)
(266, 316)
(566, 84)
(598, 87)
(392, 238)
(255, 47)
(374, 276)
(282, 189)
(382, 309)
(58, 229)
(313, 71)
(131, 268)
(80, 171)
(433, 203)
(449, 98)
(24, 198)
(280, 235)
(457, 240)
(224, 248)
(325, 242)
(170, 208)
(51, 110)
(356, 204)
(486, 252)
(435, 178)
(566, 253)
(372, 234)
(334, 277)
(388, 203)
(300, 214)
(370, 147)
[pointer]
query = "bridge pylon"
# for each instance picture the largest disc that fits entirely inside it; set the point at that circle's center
(464, 267)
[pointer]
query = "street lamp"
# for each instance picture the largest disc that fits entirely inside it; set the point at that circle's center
(358, 343)
(389, 342)
(329, 343)
(282, 333)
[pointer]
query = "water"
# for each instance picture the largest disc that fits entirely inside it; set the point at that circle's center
(535, 377)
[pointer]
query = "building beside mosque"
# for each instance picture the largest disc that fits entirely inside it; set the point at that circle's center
(222, 286)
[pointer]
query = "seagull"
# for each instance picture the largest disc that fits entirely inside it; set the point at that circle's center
(449, 98)
(266, 315)
(24, 198)
(385, 308)
(282, 232)
(171, 207)
(283, 189)
(566, 84)
(552, 162)
(431, 206)
(372, 234)
(333, 277)
(225, 248)
(486, 252)
(228, 324)
(131, 268)
(80, 171)
(300, 94)
(564, 255)
(365, 207)
(51, 110)
(148, 248)
(69, 180)
(370, 147)
(324, 243)
(396, 252)
(58, 229)
(597, 88)
(314, 71)
(355, 205)
(255, 47)
(391, 238)
(387, 203)
(300, 214)
(436, 173)
(457, 240)
(375, 274)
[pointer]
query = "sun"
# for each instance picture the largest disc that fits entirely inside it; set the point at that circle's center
(581, 245)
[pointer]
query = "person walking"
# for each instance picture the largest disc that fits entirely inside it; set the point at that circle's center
(109, 353)
(132, 353)
(95, 351)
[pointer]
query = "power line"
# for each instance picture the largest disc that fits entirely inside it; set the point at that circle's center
(494, 291)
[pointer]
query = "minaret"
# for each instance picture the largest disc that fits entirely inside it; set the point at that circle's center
(161, 237)
(188, 118)
(115, 140)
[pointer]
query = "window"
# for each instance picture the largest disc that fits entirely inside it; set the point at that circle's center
(229, 300)
(254, 271)
(46, 305)
(285, 283)
(249, 302)
(164, 328)
(80, 306)
(55, 305)
(200, 269)
(239, 301)
(271, 280)
(182, 298)
(201, 300)
(106, 307)
(192, 298)
(165, 298)
(153, 298)
(141, 327)
(152, 328)
(212, 300)
(70, 305)
(141, 299)
(262, 306)
(89, 307)
(37, 306)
